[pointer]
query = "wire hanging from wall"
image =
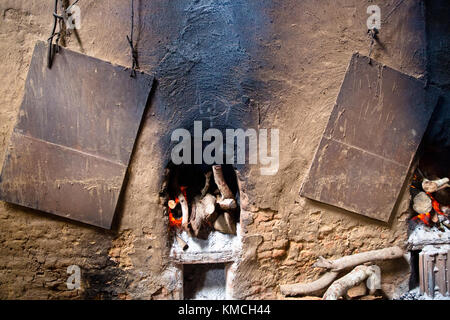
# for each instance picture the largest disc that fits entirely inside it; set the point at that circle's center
(134, 54)
(373, 37)
(53, 48)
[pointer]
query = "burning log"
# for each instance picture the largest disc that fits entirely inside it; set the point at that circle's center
(225, 223)
(299, 289)
(435, 185)
(436, 205)
(182, 243)
(422, 203)
(185, 212)
(203, 215)
(359, 258)
(355, 277)
(172, 204)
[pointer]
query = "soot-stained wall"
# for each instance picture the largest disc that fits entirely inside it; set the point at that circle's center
(435, 151)
(239, 64)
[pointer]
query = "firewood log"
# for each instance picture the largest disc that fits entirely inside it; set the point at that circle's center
(355, 277)
(435, 185)
(207, 184)
(422, 203)
(225, 191)
(209, 203)
(299, 289)
(203, 215)
(185, 212)
(226, 204)
(225, 223)
(172, 204)
(359, 258)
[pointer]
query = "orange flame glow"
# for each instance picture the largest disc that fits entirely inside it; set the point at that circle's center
(436, 205)
(176, 223)
(425, 218)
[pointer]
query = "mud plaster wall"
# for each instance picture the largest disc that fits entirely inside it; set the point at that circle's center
(272, 64)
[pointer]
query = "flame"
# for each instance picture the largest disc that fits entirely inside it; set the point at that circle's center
(176, 223)
(424, 217)
(436, 205)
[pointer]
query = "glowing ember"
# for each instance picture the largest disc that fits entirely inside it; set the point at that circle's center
(173, 222)
(436, 205)
(425, 218)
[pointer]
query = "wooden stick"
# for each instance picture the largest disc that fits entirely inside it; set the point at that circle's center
(309, 288)
(225, 223)
(182, 243)
(422, 203)
(209, 203)
(435, 185)
(221, 184)
(172, 204)
(207, 183)
(203, 214)
(359, 258)
(355, 277)
(227, 204)
(185, 212)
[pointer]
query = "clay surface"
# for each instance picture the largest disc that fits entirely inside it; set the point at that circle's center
(259, 64)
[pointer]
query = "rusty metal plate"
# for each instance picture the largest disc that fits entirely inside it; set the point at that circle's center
(372, 136)
(73, 140)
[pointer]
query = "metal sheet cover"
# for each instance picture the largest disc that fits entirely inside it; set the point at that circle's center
(371, 139)
(75, 133)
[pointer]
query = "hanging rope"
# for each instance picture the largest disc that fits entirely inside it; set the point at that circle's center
(134, 54)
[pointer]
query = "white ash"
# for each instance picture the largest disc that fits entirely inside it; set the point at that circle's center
(423, 235)
(217, 242)
(415, 295)
(436, 250)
